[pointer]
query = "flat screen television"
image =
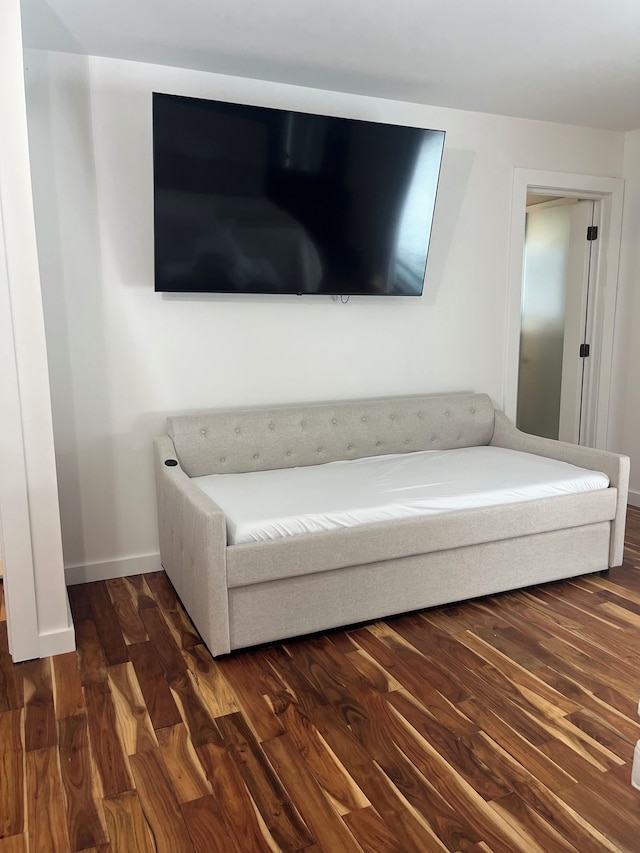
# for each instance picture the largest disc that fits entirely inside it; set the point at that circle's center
(251, 199)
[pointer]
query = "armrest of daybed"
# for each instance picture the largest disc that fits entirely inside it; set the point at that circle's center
(193, 540)
(614, 465)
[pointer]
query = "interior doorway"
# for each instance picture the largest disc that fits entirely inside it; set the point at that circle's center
(607, 193)
(556, 353)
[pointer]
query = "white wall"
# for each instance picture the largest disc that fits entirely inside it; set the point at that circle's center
(626, 368)
(122, 357)
(38, 616)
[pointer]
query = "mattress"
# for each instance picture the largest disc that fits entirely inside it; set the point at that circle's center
(263, 505)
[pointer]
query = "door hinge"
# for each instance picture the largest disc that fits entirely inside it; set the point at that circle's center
(584, 350)
(592, 232)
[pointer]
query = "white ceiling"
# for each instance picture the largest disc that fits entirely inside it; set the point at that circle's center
(570, 61)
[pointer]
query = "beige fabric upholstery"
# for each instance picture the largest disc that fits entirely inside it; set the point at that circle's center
(244, 594)
(368, 543)
(193, 546)
(316, 602)
(287, 436)
(615, 465)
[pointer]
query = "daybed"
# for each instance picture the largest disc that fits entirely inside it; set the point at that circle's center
(243, 594)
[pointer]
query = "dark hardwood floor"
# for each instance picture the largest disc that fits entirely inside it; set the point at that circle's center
(504, 724)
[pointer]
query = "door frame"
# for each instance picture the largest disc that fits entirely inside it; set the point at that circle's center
(610, 192)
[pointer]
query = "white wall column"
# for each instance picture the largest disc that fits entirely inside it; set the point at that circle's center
(37, 607)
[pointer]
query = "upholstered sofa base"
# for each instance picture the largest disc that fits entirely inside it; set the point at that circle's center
(264, 612)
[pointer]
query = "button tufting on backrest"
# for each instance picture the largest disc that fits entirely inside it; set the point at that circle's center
(361, 428)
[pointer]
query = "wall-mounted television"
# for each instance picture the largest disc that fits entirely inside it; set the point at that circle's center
(251, 199)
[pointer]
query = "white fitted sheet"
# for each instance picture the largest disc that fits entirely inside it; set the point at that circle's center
(262, 505)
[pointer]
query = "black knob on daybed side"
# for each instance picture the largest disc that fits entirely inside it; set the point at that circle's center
(170, 463)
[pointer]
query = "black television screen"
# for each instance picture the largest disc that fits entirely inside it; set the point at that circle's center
(257, 200)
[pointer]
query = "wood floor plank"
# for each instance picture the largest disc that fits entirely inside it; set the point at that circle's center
(371, 832)
(179, 624)
(163, 642)
(47, 810)
(517, 745)
(126, 825)
(379, 790)
(539, 835)
(159, 805)
(79, 602)
(276, 808)
(245, 679)
(68, 698)
(202, 728)
(83, 822)
(134, 723)
(533, 691)
(421, 680)
(91, 659)
(330, 672)
(11, 685)
(140, 592)
(39, 718)
(325, 824)
(107, 625)
(11, 774)
(327, 770)
(624, 833)
(118, 589)
(547, 804)
(183, 767)
(371, 672)
(131, 624)
(451, 748)
(14, 844)
(452, 789)
(403, 768)
(210, 682)
(235, 803)
(158, 698)
(108, 751)
(206, 826)
(608, 711)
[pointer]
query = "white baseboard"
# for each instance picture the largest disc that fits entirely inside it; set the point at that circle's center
(634, 497)
(112, 569)
(58, 642)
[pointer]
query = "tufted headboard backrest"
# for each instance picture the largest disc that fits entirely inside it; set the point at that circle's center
(235, 441)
